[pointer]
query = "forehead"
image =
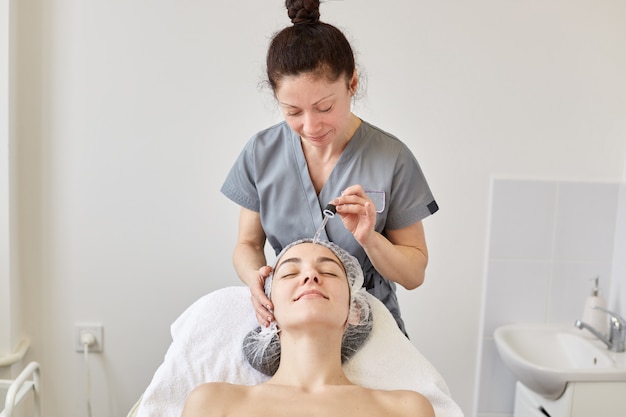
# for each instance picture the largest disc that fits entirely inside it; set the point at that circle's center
(308, 89)
(308, 252)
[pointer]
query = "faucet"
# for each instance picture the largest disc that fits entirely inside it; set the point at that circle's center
(616, 339)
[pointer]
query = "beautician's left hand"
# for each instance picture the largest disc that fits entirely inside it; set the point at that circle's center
(358, 213)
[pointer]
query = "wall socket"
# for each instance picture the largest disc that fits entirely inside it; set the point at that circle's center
(81, 329)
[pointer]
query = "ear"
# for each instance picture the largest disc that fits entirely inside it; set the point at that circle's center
(354, 83)
(354, 315)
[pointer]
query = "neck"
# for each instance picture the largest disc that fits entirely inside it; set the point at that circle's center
(310, 361)
(354, 124)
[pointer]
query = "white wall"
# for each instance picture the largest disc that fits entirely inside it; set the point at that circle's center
(618, 284)
(124, 104)
(5, 275)
(11, 327)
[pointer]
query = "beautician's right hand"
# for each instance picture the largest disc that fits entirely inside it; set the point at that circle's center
(262, 305)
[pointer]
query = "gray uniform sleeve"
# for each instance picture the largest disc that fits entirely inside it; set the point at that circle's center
(240, 184)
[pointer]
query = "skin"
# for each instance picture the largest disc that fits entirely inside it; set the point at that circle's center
(319, 111)
(311, 296)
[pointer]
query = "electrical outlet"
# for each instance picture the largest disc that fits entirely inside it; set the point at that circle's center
(95, 330)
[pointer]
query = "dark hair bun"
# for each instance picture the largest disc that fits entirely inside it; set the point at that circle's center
(303, 11)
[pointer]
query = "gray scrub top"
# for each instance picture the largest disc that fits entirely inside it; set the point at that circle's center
(271, 177)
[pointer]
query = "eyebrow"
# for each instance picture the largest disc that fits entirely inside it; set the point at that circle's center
(314, 104)
(321, 259)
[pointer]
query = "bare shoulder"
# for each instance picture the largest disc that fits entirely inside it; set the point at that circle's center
(211, 389)
(206, 400)
(407, 403)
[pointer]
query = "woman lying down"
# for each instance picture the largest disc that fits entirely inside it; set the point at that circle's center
(322, 318)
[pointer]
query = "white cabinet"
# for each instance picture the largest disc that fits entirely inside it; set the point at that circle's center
(580, 399)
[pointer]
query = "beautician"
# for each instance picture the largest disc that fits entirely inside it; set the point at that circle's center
(323, 153)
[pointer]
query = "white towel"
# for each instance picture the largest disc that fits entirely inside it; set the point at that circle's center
(206, 346)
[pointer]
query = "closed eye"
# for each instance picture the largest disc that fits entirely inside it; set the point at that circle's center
(297, 113)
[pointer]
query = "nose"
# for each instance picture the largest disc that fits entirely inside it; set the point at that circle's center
(310, 276)
(310, 123)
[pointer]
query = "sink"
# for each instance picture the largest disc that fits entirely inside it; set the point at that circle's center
(545, 357)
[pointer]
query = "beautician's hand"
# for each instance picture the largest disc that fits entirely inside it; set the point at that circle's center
(358, 213)
(263, 307)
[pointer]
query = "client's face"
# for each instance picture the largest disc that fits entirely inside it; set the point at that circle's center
(310, 285)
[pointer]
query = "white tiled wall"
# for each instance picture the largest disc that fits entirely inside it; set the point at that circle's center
(547, 241)
(618, 284)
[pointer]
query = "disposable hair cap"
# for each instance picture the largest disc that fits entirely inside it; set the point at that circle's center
(261, 347)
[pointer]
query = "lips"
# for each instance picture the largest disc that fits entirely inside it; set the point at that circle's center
(319, 138)
(311, 294)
